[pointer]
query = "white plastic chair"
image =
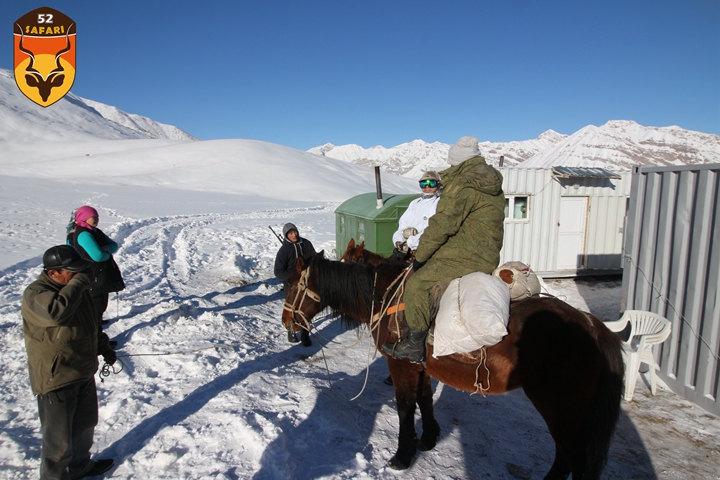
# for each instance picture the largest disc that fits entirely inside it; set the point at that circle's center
(646, 330)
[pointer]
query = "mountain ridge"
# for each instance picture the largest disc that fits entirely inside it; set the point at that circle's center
(618, 145)
(73, 118)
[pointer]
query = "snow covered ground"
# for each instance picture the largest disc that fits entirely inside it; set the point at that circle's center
(211, 388)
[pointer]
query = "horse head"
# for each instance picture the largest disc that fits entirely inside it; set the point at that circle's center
(354, 253)
(347, 255)
(302, 301)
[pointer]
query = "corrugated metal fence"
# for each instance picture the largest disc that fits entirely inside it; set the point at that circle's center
(671, 266)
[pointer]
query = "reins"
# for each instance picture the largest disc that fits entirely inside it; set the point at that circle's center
(303, 291)
(306, 292)
(107, 369)
(374, 323)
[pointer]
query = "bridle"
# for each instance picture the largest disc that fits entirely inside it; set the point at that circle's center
(302, 291)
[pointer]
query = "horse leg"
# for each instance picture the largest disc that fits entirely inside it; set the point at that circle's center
(560, 469)
(431, 429)
(406, 380)
(574, 382)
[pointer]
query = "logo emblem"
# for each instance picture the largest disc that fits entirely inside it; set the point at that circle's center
(44, 55)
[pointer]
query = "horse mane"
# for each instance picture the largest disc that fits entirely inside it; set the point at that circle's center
(344, 287)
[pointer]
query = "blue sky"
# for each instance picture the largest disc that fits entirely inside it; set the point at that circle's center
(303, 73)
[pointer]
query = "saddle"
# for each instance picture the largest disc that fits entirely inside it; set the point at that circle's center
(522, 283)
(398, 324)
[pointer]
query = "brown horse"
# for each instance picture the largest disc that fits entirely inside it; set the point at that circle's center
(568, 363)
(357, 254)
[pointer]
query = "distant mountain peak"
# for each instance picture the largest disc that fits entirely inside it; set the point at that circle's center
(551, 134)
(617, 145)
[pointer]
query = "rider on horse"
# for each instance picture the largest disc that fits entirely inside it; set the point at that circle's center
(414, 221)
(465, 235)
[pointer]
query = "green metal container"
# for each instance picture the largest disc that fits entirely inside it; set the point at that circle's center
(359, 218)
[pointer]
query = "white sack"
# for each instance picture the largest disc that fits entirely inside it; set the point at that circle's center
(480, 319)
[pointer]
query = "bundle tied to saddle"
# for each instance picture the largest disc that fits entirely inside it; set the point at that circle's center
(521, 279)
(473, 313)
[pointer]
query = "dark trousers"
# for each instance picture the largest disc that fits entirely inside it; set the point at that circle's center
(101, 304)
(68, 417)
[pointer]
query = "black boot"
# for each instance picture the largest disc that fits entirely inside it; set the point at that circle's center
(291, 337)
(305, 338)
(410, 348)
(99, 467)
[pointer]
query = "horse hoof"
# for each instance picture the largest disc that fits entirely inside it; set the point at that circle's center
(425, 446)
(396, 464)
(429, 438)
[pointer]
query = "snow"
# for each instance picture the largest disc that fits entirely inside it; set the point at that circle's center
(210, 388)
(618, 146)
(72, 118)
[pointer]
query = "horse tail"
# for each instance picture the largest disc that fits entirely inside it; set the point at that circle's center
(605, 409)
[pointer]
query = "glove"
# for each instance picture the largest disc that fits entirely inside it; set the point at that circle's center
(416, 265)
(109, 356)
(83, 278)
(401, 246)
(398, 256)
(409, 232)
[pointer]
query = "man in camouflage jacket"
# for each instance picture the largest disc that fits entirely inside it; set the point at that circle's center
(465, 235)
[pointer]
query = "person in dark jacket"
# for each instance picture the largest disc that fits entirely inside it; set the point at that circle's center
(464, 236)
(93, 245)
(293, 246)
(61, 340)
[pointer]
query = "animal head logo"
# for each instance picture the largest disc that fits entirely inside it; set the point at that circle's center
(44, 55)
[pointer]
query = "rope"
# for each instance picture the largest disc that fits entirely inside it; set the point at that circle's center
(372, 326)
(670, 304)
(107, 369)
(327, 370)
(478, 383)
(387, 302)
(195, 350)
(304, 292)
(483, 354)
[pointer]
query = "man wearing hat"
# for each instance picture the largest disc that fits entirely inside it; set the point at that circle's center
(413, 222)
(61, 338)
(465, 235)
(293, 246)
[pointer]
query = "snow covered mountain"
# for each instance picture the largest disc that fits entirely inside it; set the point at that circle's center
(86, 142)
(407, 159)
(72, 119)
(618, 145)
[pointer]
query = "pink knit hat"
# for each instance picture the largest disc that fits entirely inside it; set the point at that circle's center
(83, 213)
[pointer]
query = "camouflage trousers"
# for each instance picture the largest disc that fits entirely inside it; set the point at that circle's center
(417, 290)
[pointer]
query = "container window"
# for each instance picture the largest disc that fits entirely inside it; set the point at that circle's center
(516, 207)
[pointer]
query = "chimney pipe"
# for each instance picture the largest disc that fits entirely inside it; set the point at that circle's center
(502, 160)
(378, 188)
